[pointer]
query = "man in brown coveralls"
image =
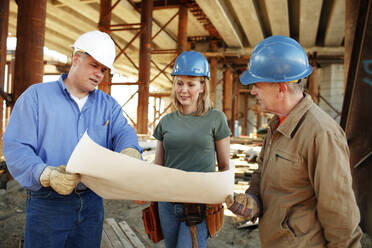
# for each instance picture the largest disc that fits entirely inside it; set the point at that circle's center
(302, 190)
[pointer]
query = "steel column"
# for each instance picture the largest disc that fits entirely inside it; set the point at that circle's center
(144, 66)
(29, 60)
(182, 28)
(356, 118)
(104, 26)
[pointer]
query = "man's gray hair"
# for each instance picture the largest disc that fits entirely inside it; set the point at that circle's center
(297, 88)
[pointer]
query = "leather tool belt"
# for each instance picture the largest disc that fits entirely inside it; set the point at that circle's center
(193, 214)
(151, 222)
(214, 214)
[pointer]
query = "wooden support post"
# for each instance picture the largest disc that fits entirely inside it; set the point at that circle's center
(213, 69)
(356, 118)
(235, 100)
(144, 66)
(4, 19)
(351, 14)
(313, 84)
(245, 123)
(155, 112)
(259, 120)
(29, 61)
(10, 87)
(104, 26)
(182, 28)
(227, 96)
(236, 97)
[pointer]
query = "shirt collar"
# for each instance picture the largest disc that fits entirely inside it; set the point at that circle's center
(61, 82)
(291, 122)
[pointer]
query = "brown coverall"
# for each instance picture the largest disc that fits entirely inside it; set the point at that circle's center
(305, 184)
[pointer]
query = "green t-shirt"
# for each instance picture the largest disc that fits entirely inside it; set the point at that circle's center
(189, 141)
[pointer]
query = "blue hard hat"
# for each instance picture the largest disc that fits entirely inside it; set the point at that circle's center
(277, 59)
(191, 63)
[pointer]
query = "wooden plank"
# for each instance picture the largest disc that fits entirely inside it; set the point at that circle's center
(131, 235)
(105, 242)
(115, 242)
(121, 238)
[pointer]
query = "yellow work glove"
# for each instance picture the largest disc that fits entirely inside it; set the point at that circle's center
(45, 176)
(244, 205)
(59, 179)
(131, 152)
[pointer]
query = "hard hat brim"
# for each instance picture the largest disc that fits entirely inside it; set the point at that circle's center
(248, 78)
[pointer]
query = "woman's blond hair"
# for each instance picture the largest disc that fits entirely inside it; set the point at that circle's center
(203, 104)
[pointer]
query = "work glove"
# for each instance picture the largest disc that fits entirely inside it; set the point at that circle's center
(244, 205)
(59, 179)
(131, 152)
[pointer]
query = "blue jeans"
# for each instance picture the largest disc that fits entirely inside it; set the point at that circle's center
(176, 233)
(56, 221)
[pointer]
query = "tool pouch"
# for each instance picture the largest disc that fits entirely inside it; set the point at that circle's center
(214, 214)
(151, 221)
(193, 214)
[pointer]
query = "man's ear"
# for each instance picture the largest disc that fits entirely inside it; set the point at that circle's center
(75, 59)
(204, 87)
(283, 87)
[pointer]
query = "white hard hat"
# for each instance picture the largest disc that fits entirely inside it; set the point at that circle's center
(99, 45)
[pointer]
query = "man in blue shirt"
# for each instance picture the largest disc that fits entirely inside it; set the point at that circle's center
(47, 122)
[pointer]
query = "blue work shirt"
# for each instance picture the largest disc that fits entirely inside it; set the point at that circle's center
(46, 125)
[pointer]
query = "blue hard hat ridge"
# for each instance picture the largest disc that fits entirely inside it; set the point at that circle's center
(191, 63)
(277, 59)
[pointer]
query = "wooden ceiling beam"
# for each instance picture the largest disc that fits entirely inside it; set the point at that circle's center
(250, 23)
(162, 4)
(335, 31)
(320, 51)
(222, 20)
(278, 15)
(309, 21)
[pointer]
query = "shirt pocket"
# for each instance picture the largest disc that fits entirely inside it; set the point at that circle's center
(99, 134)
(286, 170)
